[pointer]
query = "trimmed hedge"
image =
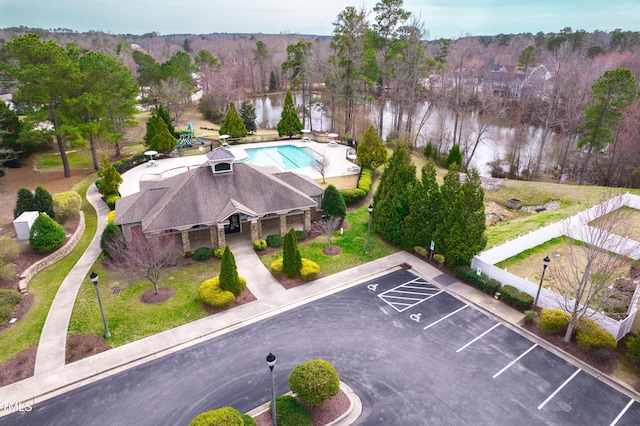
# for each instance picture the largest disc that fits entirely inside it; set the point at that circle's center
(66, 204)
(274, 240)
(46, 234)
(300, 235)
(203, 253)
(315, 381)
(440, 259)
(421, 251)
(9, 300)
(554, 321)
(310, 270)
(259, 245)
(128, 164)
(212, 295)
(289, 412)
(352, 196)
(225, 416)
(111, 217)
(111, 200)
(218, 252)
(276, 267)
(633, 348)
(518, 299)
(589, 335)
(486, 284)
(365, 182)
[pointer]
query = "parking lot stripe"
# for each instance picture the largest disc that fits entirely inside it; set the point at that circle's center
(477, 338)
(559, 389)
(445, 317)
(514, 361)
(409, 294)
(624, 410)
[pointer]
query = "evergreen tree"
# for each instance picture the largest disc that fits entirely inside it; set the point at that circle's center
(391, 200)
(447, 235)
(24, 203)
(273, 82)
(248, 115)
(455, 157)
(424, 205)
(333, 203)
(152, 124)
(229, 279)
(163, 140)
(371, 152)
(292, 261)
(289, 124)
(110, 179)
(46, 235)
(164, 115)
(233, 124)
(43, 201)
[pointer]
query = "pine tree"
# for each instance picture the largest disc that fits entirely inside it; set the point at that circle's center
(333, 203)
(248, 115)
(273, 82)
(152, 124)
(447, 234)
(289, 124)
(424, 205)
(391, 200)
(371, 152)
(163, 141)
(233, 124)
(110, 179)
(43, 201)
(292, 261)
(455, 157)
(24, 203)
(229, 279)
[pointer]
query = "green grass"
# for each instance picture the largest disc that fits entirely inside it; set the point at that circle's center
(352, 242)
(26, 332)
(127, 317)
(78, 159)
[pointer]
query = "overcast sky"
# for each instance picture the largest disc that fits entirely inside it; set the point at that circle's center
(443, 18)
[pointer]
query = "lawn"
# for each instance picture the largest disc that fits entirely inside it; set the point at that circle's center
(129, 319)
(26, 332)
(626, 222)
(78, 159)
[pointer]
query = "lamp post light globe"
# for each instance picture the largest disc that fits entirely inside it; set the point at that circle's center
(271, 362)
(545, 262)
(370, 210)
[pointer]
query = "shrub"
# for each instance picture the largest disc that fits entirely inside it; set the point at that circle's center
(248, 420)
(300, 235)
(310, 270)
(314, 381)
(289, 412)
(491, 286)
(66, 204)
(333, 204)
(111, 200)
(291, 260)
(440, 259)
(212, 295)
(9, 299)
(43, 201)
(352, 196)
(516, 298)
(110, 234)
(276, 267)
(365, 182)
(202, 253)
(554, 321)
(486, 284)
(274, 240)
(421, 251)
(225, 416)
(218, 252)
(589, 335)
(9, 249)
(530, 317)
(111, 217)
(259, 245)
(24, 202)
(7, 270)
(229, 273)
(46, 235)
(110, 179)
(633, 349)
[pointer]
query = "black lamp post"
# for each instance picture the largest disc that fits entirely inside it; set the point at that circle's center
(370, 209)
(545, 262)
(94, 280)
(271, 362)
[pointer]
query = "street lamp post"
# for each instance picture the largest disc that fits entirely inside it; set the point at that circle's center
(370, 209)
(94, 280)
(545, 263)
(271, 362)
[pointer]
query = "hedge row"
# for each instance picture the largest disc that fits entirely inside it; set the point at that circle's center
(518, 299)
(486, 284)
(128, 164)
(352, 196)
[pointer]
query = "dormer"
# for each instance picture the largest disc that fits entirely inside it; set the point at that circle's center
(220, 160)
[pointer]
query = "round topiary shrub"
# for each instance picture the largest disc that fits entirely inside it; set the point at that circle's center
(289, 412)
(276, 267)
(589, 335)
(259, 245)
(315, 381)
(111, 217)
(66, 204)
(212, 295)
(310, 270)
(225, 416)
(218, 252)
(274, 240)
(202, 254)
(46, 234)
(554, 321)
(301, 235)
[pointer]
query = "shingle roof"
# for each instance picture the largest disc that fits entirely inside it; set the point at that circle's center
(201, 197)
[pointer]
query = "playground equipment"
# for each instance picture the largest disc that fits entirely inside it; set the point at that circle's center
(189, 138)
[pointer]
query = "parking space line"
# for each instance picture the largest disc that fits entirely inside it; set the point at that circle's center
(514, 361)
(445, 317)
(624, 410)
(559, 389)
(409, 294)
(477, 338)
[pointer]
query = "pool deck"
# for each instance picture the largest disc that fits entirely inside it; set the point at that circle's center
(167, 167)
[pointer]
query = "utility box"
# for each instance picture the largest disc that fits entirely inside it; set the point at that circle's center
(23, 224)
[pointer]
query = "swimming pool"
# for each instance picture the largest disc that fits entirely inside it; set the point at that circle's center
(285, 157)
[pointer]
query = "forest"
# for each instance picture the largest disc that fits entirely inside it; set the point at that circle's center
(577, 91)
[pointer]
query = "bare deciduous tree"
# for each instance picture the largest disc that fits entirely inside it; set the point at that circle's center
(327, 226)
(598, 253)
(146, 256)
(321, 164)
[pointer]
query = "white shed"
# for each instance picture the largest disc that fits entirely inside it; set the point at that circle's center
(23, 224)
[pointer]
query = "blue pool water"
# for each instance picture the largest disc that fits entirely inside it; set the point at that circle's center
(285, 157)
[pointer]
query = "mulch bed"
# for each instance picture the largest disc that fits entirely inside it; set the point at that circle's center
(245, 297)
(332, 250)
(19, 367)
(151, 298)
(21, 310)
(81, 346)
(320, 415)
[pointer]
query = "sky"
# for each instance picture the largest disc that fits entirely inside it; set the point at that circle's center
(442, 18)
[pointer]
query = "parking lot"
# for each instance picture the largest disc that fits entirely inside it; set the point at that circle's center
(414, 355)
